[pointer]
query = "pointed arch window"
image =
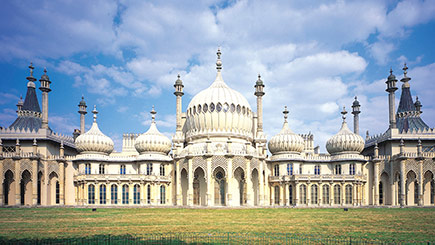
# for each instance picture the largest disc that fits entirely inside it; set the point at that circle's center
(337, 194)
(114, 194)
(125, 194)
(314, 194)
(91, 194)
(212, 107)
(149, 194)
(102, 194)
(162, 194)
(325, 193)
(303, 194)
(136, 194)
(205, 108)
(348, 194)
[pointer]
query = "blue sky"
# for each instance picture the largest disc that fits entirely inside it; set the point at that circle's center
(124, 56)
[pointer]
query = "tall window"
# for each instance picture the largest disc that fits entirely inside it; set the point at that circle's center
(136, 194)
(432, 191)
(125, 194)
(149, 168)
(337, 169)
(381, 193)
(162, 194)
(314, 195)
(300, 168)
(122, 170)
(415, 192)
(303, 194)
(102, 194)
(149, 194)
(290, 194)
(162, 170)
(348, 194)
(325, 194)
(87, 168)
(277, 195)
(276, 170)
(57, 192)
(317, 170)
(289, 169)
(91, 194)
(352, 169)
(102, 169)
(337, 194)
(114, 194)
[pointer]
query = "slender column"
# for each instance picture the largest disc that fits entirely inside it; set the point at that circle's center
(402, 182)
(249, 193)
(272, 195)
(97, 193)
(119, 193)
(209, 183)
(230, 182)
(286, 194)
(142, 193)
(61, 183)
(1, 177)
(86, 201)
(190, 188)
(45, 88)
(178, 188)
(34, 181)
(17, 183)
(376, 183)
(420, 185)
(296, 193)
(281, 195)
(391, 88)
(261, 185)
(320, 196)
(308, 194)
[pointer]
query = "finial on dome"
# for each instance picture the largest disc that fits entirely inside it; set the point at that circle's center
(153, 115)
(405, 70)
(285, 112)
(343, 113)
(95, 112)
(391, 70)
(219, 62)
(31, 69)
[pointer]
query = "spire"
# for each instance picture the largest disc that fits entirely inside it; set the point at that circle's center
(405, 79)
(95, 112)
(343, 114)
(30, 78)
(219, 62)
(285, 112)
(153, 115)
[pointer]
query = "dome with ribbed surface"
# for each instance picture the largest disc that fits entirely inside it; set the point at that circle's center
(152, 141)
(286, 141)
(345, 141)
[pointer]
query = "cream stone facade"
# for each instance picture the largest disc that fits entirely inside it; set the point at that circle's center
(218, 156)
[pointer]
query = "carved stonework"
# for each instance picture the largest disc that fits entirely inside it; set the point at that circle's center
(53, 167)
(26, 165)
(219, 161)
(384, 166)
(199, 162)
(41, 167)
(183, 164)
(412, 164)
(429, 165)
(255, 164)
(8, 164)
(239, 162)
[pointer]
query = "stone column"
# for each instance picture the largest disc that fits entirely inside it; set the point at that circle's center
(320, 196)
(308, 194)
(402, 183)
(142, 193)
(229, 180)
(420, 184)
(376, 183)
(272, 195)
(190, 181)
(286, 194)
(178, 188)
(209, 180)
(62, 183)
(343, 194)
(97, 193)
(261, 185)
(296, 193)
(249, 190)
(119, 193)
(17, 182)
(34, 181)
(85, 194)
(1, 177)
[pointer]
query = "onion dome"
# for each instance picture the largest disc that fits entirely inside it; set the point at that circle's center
(286, 141)
(219, 110)
(94, 141)
(152, 141)
(44, 76)
(345, 141)
(391, 76)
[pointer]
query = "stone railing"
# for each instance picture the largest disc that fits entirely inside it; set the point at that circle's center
(120, 177)
(321, 177)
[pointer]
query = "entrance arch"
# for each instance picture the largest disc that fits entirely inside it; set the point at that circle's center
(255, 185)
(428, 188)
(26, 188)
(9, 188)
(219, 186)
(240, 195)
(411, 187)
(199, 187)
(52, 190)
(184, 186)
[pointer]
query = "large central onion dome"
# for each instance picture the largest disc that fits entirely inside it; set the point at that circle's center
(219, 111)
(152, 141)
(345, 141)
(94, 141)
(286, 141)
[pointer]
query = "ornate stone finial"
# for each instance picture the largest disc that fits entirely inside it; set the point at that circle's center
(391, 70)
(31, 69)
(34, 142)
(95, 112)
(219, 62)
(61, 144)
(285, 112)
(405, 70)
(343, 113)
(17, 142)
(153, 115)
(367, 134)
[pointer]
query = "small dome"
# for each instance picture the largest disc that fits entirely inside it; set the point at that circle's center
(152, 141)
(286, 141)
(345, 141)
(82, 102)
(94, 141)
(391, 76)
(44, 76)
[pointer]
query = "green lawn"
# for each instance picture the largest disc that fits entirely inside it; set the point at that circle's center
(378, 223)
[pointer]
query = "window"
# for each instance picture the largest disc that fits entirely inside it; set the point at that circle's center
(162, 194)
(87, 168)
(352, 169)
(91, 194)
(122, 170)
(136, 194)
(277, 195)
(114, 194)
(317, 170)
(337, 194)
(149, 194)
(102, 169)
(149, 168)
(205, 108)
(290, 194)
(102, 194)
(218, 107)
(276, 170)
(125, 194)
(337, 169)
(212, 107)
(300, 168)
(303, 194)
(289, 169)
(162, 170)
(381, 193)
(57, 192)
(348, 194)
(314, 194)
(325, 194)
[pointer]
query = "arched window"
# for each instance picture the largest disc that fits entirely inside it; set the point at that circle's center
(289, 169)
(276, 170)
(303, 194)
(102, 194)
(91, 194)
(317, 170)
(102, 169)
(205, 108)
(314, 194)
(337, 194)
(325, 194)
(125, 194)
(352, 169)
(136, 194)
(149, 168)
(57, 192)
(162, 194)
(212, 107)
(122, 169)
(87, 168)
(348, 194)
(337, 169)
(290, 194)
(162, 170)
(199, 109)
(218, 107)
(277, 194)
(381, 193)
(149, 194)
(114, 194)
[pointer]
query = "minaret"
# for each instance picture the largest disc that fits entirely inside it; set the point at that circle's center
(178, 93)
(391, 88)
(20, 104)
(259, 92)
(356, 111)
(45, 88)
(82, 111)
(95, 112)
(418, 106)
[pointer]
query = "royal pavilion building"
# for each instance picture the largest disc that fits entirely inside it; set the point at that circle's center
(219, 156)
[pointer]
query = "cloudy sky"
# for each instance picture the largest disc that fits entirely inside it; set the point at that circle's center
(124, 56)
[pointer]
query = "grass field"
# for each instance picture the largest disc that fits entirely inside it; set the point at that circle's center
(377, 223)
